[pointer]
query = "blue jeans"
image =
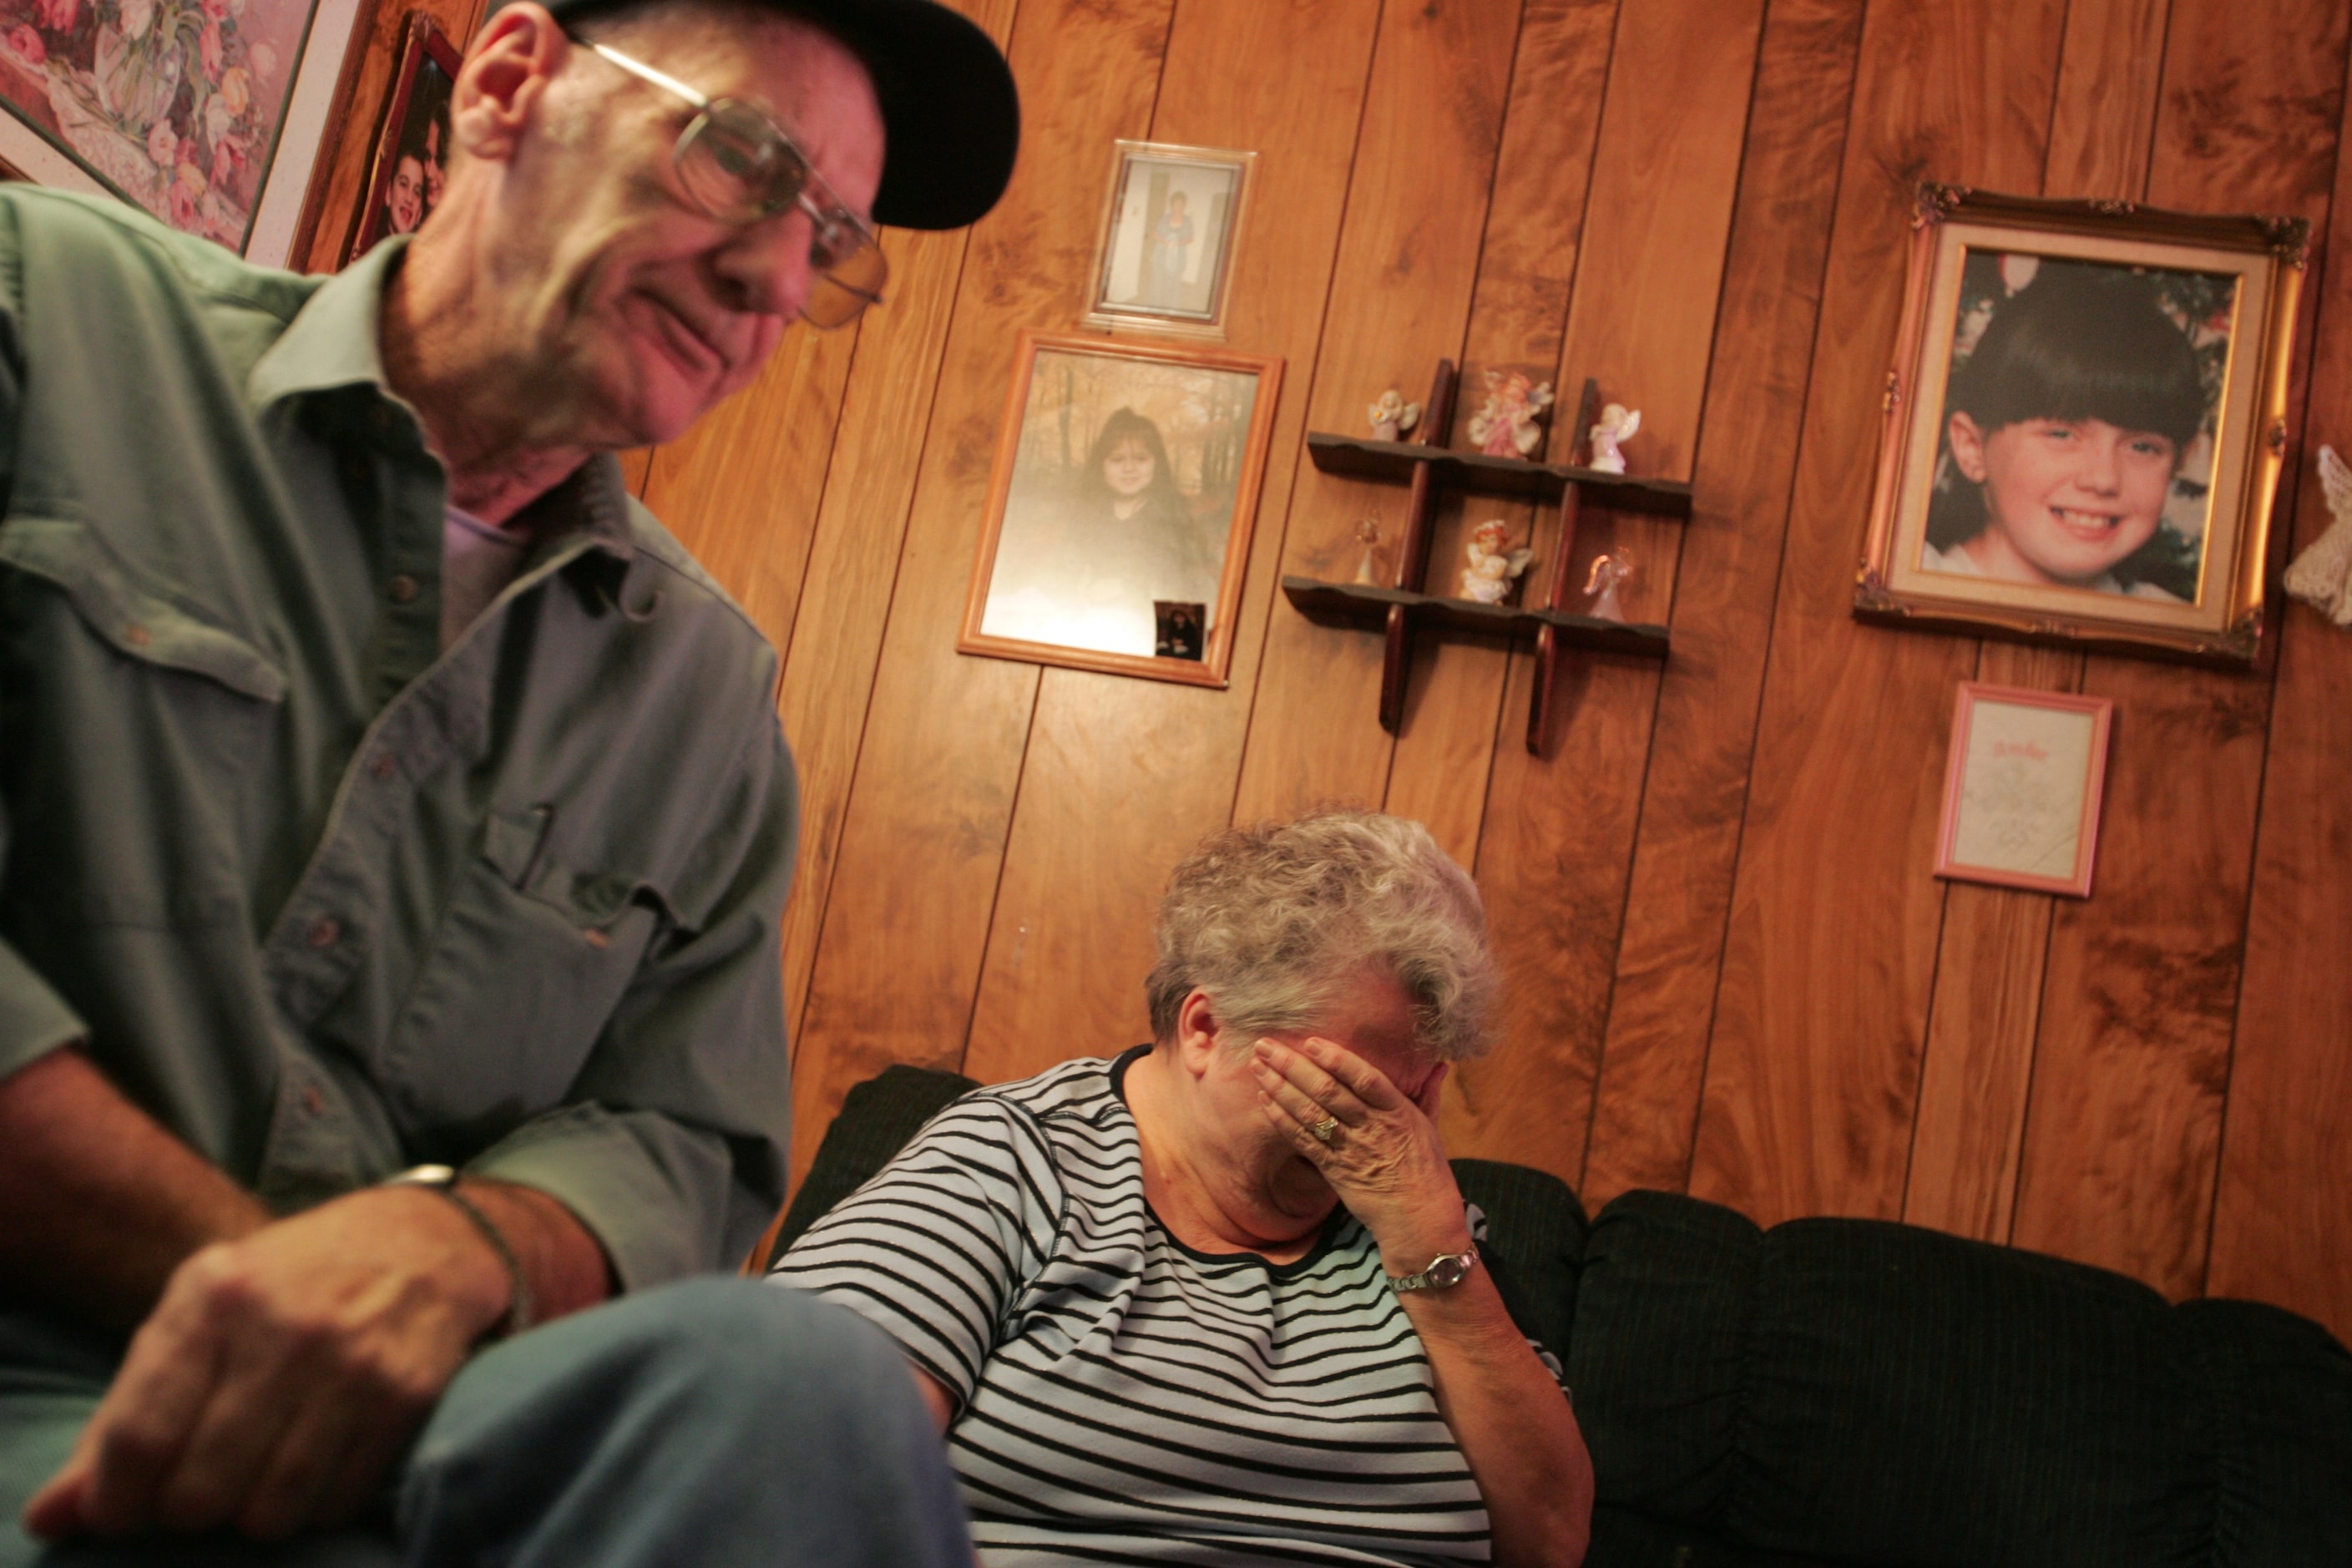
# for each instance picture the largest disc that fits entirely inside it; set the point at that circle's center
(718, 1421)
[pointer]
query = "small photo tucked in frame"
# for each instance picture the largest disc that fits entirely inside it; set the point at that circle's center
(411, 147)
(1120, 509)
(1164, 257)
(2083, 424)
(2022, 790)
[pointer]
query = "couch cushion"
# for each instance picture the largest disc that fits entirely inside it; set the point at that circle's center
(876, 1120)
(2284, 1405)
(1535, 1223)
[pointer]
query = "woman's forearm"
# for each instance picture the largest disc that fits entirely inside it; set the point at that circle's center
(1512, 1423)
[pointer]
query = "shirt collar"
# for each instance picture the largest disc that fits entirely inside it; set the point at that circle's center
(336, 339)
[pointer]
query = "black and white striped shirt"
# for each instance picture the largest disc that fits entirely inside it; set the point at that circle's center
(1122, 1398)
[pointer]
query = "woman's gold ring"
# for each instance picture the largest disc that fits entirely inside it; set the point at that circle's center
(1325, 1128)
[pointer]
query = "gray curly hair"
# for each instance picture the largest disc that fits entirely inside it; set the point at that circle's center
(1273, 921)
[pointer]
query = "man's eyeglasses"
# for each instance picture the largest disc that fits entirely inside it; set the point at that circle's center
(741, 167)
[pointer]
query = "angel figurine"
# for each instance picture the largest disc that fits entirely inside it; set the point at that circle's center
(1493, 569)
(2322, 575)
(1600, 585)
(1392, 416)
(1618, 424)
(1507, 425)
(1368, 534)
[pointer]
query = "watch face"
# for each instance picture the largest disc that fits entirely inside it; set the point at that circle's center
(1451, 1269)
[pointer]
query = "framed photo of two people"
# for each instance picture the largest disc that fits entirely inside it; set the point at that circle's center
(1120, 509)
(2084, 425)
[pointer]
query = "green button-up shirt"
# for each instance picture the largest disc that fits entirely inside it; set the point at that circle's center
(323, 898)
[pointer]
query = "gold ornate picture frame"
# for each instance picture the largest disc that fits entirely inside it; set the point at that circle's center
(2083, 426)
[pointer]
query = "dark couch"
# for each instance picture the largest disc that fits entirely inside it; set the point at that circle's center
(1853, 1392)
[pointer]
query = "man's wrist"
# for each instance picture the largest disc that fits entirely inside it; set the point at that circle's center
(519, 1313)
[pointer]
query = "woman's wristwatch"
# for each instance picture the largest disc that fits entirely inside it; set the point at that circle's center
(1446, 1268)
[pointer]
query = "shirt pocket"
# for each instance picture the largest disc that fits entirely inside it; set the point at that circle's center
(531, 962)
(141, 716)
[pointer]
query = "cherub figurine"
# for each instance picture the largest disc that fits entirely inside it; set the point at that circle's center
(1368, 534)
(1392, 416)
(1507, 425)
(2322, 575)
(1608, 572)
(1492, 571)
(1618, 424)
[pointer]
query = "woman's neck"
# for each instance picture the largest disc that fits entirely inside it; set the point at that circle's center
(1202, 1198)
(1125, 507)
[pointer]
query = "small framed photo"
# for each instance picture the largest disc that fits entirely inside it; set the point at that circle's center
(2021, 792)
(2083, 426)
(1163, 257)
(214, 117)
(411, 145)
(1120, 509)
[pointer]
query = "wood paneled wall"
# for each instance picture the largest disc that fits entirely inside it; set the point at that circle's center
(1730, 970)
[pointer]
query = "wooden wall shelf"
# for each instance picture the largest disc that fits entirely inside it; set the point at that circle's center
(1362, 604)
(1476, 474)
(1431, 468)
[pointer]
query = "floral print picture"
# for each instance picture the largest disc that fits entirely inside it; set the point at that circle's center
(173, 105)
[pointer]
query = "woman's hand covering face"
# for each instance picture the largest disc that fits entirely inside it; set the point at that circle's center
(1383, 1157)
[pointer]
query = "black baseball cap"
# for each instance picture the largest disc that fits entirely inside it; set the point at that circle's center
(949, 111)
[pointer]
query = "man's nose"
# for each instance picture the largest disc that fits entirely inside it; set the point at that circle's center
(768, 263)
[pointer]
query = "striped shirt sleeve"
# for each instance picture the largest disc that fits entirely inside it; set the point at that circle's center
(938, 1247)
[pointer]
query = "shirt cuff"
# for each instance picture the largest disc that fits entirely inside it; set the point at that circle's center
(653, 1192)
(34, 1019)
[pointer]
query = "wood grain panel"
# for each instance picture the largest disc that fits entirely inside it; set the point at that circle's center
(741, 488)
(2123, 1133)
(1519, 312)
(1400, 296)
(1123, 777)
(1970, 1126)
(1559, 832)
(905, 922)
(836, 637)
(1814, 1070)
(1646, 1104)
(2285, 1181)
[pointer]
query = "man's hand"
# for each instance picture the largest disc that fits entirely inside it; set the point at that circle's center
(283, 1375)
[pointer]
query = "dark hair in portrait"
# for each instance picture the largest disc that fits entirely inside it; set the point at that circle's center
(2081, 341)
(1161, 499)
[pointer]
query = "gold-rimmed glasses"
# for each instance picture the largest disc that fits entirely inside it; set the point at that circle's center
(739, 167)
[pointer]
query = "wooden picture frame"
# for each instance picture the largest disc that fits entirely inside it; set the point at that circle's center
(2022, 788)
(2159, 318)
(1125, 488)
(216, 124)
(415, 131)
(1164, 246)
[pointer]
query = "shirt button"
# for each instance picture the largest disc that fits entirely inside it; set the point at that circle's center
(137, 635)
(403, 589)
(383, 767)
(325, 931)
(313, 1100)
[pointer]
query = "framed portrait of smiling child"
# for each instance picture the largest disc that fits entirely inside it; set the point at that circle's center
(411, 145)
(1119, 512)
(2083, 426)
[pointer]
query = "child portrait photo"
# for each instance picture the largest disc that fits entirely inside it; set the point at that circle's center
(2072, 448)
(1120, 518)
(412, 155)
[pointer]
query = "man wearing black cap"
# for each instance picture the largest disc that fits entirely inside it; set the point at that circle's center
(395, 828)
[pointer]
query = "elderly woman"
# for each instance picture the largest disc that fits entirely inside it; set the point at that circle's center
(1218, 1299)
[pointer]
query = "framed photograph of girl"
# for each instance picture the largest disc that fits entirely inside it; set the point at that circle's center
(2083, 426)
(212, 115)
(1120, 509)
(411, 145)
(1163, 253)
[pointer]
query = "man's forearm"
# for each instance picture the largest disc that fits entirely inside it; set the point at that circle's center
(103, 1203)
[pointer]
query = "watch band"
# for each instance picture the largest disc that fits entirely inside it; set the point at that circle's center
(1447, 1268)
(443, 1179)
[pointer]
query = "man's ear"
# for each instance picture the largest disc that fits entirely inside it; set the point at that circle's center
(498, 90)
(1968, 446)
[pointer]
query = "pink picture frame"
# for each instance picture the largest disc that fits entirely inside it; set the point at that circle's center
(2022, 788)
